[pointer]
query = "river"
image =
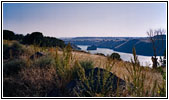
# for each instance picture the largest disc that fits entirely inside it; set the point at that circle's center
(144, 60)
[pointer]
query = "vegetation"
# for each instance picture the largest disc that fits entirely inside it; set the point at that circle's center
(101, 54)
(137, 76)
(63, 73)
(12, 67)
(155, 37)
(87, 64)
(13, 51)
(115, 56)
(35, 38)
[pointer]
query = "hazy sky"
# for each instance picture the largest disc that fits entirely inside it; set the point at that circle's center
(84, 19)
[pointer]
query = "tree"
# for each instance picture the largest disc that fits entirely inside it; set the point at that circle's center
(8, 35)
(155, 36)
(34, 38)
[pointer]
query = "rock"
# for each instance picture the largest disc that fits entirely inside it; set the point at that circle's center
(97, 80)
(36, 55)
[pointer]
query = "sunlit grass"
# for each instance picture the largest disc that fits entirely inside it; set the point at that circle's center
(65, 64)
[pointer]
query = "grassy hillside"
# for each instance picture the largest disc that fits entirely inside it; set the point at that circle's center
(125, 44)
(57, 68)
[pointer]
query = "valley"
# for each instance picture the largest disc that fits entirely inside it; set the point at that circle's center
(142, 45)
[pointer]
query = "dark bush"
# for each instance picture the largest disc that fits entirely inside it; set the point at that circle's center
(115, 56)
(37, 38)
(8, 35)
(13, 51)
(5, 51)
(34, 38)
(12, 67)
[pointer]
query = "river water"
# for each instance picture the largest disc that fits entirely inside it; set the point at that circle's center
(144, 60)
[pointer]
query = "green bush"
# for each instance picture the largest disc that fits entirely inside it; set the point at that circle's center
(78, 71)
(87, 64)
(5, 51)
(45, 61)
(115, 56)
(13, 51)
(13, 66)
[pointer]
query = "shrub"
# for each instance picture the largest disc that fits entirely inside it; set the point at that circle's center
(115, 56)
(44, 61)
(136, 76)
(78, 71)
(13, 51)
(13, 66)
(64, 68)
(8, 35)
(87, 64)
(30, 82)
(101, 54)
(5, 51)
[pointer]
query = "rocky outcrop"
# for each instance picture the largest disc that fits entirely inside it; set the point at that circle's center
(98, 81)
(36, 55)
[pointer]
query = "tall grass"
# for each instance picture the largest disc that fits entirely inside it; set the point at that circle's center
(58, 70)
(137, 76)
(94, 82)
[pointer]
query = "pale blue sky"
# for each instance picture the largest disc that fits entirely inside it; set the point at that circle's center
(84, 19)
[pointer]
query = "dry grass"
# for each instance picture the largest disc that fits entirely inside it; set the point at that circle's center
(39, 77)
(119, 67)
(33, 81)
(120, 70)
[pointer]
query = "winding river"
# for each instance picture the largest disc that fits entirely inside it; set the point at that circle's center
(144, 60)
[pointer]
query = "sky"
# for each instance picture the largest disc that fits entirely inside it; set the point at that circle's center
(85, 19)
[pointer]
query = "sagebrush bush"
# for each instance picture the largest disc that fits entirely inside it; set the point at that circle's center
(45, 61)
(87, 64)
(115, 56)
(30, 82)
(13, 51)
(13, 66)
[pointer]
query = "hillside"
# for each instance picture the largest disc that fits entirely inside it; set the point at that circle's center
(143, 47)
(35, 38)
(55, 68)
(123, 44)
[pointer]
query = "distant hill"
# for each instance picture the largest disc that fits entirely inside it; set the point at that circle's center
(123, 44)
(142, 47)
